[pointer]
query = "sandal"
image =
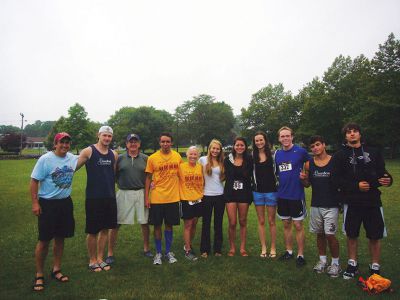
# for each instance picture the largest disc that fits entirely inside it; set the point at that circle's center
(38, 287)
(105, 266)
(62, 278)
(243, 253)
(204, 255)
(231, 253)
(272, 255)
(263, 255)
(95, 267)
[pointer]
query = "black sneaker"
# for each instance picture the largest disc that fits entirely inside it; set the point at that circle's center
(350, 272)
(286, 256)
(300, 261)
(374, 269)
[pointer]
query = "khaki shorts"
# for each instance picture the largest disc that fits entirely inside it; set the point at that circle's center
(324, 220)
(129, 203)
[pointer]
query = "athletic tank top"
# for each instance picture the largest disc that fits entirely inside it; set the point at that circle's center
(323, 194)
(100, 175)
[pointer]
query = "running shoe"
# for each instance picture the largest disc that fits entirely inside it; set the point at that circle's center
(334, 270)
(286, 256)
(350, 272)
(320, 267)
(170, 256)
(300, 261)
(190, 255)
(374, 269)
(157, 259)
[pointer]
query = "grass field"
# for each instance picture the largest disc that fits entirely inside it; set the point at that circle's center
(134, 277)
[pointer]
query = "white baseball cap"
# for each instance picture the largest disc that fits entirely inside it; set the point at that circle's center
(106, 129)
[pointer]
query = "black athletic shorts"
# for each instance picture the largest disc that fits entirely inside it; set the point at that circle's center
(166, 212)
(100, 214)
(56, 219)
(291, 209)
(370, 217)
(190, 210)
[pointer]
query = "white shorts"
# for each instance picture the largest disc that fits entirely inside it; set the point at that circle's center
(129, 202)
(324, 220)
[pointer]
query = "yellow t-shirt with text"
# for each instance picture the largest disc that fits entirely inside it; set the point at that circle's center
(191, 183)
(165, 169)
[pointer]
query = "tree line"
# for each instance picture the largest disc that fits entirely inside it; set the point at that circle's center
(358, 89)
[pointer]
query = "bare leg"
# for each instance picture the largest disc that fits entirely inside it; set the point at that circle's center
(352, 248)
(260, 209)
(231, 209)
(91, 242)
(300, 237)
(321, 244)
(287, 233)
(187, 233)
(375, 250)
(271, 210)
(193, 229)
(146, 235)
(333, 244)
(101, 244)
(243, 210)
(58, 249)
(112, 240)
(41, 250)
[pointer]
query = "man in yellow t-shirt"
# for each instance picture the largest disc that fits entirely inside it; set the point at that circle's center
(162, 195)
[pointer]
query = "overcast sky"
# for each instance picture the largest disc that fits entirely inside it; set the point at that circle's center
(109, 54)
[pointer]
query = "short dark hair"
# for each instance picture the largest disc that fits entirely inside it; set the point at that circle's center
(316, 138)
(351, 126)
(168, 134)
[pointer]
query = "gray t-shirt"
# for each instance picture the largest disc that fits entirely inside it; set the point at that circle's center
(130, 171)
(212, 184)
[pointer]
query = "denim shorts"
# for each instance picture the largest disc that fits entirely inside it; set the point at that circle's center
(268, 199)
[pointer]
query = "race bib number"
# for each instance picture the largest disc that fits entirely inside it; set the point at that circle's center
(194, 202)
(285, 166)
(238, 185)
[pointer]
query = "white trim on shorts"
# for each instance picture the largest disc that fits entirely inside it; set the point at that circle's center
(301, 218)
(346, 206)
(129, 204)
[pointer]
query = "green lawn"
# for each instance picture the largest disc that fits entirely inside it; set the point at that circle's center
(134, 277)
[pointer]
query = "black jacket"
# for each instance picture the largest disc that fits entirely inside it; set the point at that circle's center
(352, 165)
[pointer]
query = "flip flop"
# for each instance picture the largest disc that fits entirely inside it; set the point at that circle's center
(95, 268)
(104, 266)
(272, 255)
(36, 285)
(231, 253)
(62, 278)
(263, 255)
(243, 253)
(110, 260)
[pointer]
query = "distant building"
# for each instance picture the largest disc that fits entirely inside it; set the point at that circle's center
(35, 142)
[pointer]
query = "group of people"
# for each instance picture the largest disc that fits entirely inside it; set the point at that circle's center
(162, 189)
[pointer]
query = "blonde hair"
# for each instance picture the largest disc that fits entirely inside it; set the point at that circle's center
(285, 128)
(220, 160)
(192, 148)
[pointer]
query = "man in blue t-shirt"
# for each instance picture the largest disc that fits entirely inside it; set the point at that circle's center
(289, 162)
(50, 188)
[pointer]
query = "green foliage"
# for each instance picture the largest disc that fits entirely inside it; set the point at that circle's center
(9, 129)
(39, 128)
(202, 119)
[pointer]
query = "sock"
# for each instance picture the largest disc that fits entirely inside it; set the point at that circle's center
(168, 240)
(352, 262)
(290, 251)
(335, 261)
(323, 258)
(158, 245)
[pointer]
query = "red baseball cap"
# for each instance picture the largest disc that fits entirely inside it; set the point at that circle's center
(59, 136)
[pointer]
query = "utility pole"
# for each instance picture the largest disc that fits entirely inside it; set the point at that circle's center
(22, 130)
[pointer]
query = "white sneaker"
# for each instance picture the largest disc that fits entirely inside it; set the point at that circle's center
(170, 256)
(190, 256)
(320, 267)
(157, 259)
(334, 270)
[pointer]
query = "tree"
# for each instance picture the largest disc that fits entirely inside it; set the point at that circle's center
(39, 128)
(202, 119)
(81, 129)
(11, 142)
(4, 129)
(270, 108)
